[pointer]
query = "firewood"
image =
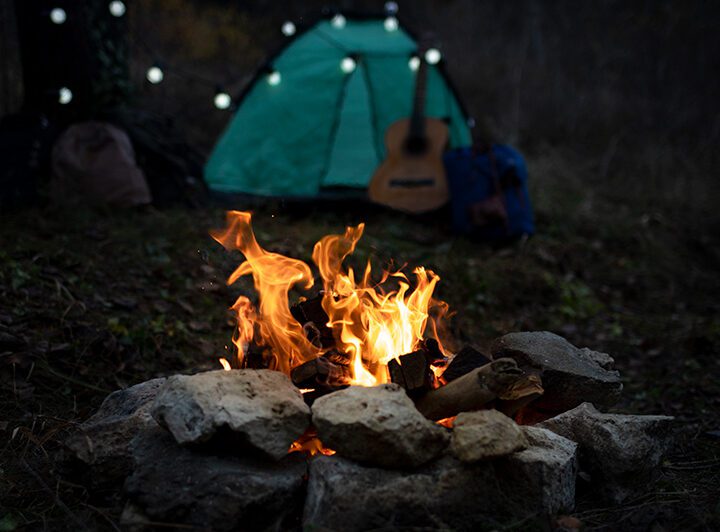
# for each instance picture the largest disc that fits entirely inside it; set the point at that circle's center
(464, 361)
(527, 390)
(311, 315)
(412, 372)
(320, 371)
(474, 390)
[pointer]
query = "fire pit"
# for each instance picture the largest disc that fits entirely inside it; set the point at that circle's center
(346, 411)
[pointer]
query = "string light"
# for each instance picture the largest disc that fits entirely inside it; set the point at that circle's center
(391, 24)
(414, 63)
(348, 64)
(117, 8)
(65, 96)
(274, 78)
(155, 74)
(288, 29)
(433, 56)
(391, 8)
(222, 99)
(338, 21)
(58, 15)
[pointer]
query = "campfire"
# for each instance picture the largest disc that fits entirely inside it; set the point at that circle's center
(394, 428)
(356, 331)
(358, 327)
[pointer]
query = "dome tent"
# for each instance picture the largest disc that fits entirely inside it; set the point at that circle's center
(314, 117)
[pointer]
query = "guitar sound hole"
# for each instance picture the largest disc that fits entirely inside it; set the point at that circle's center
(416, 145)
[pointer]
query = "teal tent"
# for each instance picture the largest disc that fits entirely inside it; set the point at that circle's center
(314, 117)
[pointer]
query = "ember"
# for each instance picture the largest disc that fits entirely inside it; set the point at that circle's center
(370, 323)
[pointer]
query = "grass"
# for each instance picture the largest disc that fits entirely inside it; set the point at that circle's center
(92, 301)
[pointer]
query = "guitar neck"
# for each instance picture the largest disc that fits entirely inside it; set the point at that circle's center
(417, 119)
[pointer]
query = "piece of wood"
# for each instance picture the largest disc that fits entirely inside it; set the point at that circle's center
(412, 372)
(464, 361)
(473, 390)
(526, 390)
(311, 315)
(319, 371)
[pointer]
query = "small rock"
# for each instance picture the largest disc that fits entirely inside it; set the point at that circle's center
(103, 440)
(569, 375)
(485, 434)
(621, 452)
(445, 494)
(377, 425)
(260, 408)
(196, 489)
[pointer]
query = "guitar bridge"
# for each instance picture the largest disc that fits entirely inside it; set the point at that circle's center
(412, 183)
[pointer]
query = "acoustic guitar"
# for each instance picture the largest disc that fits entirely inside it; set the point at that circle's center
(412, 177)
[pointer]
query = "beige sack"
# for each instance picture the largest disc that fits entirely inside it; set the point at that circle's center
(94, 163)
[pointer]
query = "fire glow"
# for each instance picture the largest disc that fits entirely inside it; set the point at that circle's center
(370, 322)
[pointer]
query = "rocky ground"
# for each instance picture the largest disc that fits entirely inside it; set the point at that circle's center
(95, 301)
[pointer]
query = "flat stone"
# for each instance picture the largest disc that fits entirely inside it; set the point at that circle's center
(377, 425)
(259, 408)
(621, 452)
(485, 434)
(446, 494)
(190, 487)
(569, 375)
(103, 440)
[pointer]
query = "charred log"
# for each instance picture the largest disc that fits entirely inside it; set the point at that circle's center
(311, 315)
(500, 379)
(412, 372)
(464, 361)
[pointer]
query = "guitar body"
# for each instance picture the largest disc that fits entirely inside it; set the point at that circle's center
(412, 177)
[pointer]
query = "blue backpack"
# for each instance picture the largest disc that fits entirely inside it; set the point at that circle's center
(489, 194)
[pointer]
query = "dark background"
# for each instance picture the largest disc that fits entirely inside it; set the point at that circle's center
(614, 104)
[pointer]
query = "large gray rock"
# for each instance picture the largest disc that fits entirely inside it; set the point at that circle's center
(547, 469)
(103, 440)
(260, 408)
(569, 375)
(445, 494)
(377, 425)
(621, 452)
(189, 487)
(485, 434)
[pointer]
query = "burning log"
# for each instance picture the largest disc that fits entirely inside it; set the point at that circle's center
(311, 315)
(322, 375)
(500, 379)
(320, 371)
(412, 371)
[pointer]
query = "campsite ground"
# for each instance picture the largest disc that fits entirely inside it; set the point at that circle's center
(94, 301)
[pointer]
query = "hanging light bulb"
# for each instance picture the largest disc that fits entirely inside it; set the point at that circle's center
(391, 24)
(348, 64)
(288, 29)
(338, 21)
(414, 63)
(391, 8)
(274, 78)
(58, 15)
(433, 56)
(117, 8)
(222, 99)
(65, 96)
(155, 74)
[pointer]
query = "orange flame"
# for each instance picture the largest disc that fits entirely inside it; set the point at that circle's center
(371, 325)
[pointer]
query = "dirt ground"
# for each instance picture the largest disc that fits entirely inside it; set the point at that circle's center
(92, 301)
